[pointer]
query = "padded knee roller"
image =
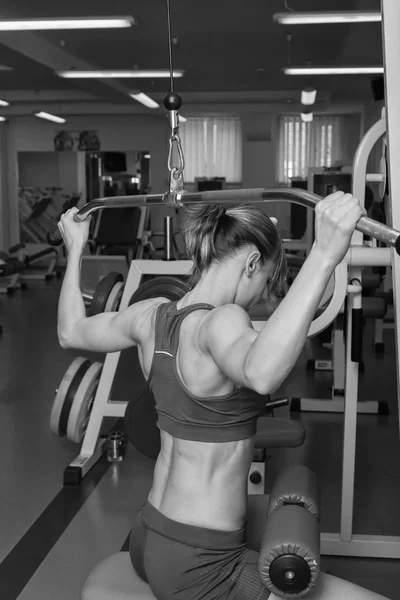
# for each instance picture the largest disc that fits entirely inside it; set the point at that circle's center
(289, 562)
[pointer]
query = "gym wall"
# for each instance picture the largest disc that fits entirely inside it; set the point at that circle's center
(132, 132)
(117, 133)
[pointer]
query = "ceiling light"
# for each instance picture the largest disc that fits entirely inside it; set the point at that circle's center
(312, 18)
(306, 115)
(66, 23)
(4, 103)
(332, 70)
(2, 119)
(49, 117)
(120, 74)
(146, 100)
(308, 96)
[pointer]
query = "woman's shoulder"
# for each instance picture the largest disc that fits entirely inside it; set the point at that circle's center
(230, 315)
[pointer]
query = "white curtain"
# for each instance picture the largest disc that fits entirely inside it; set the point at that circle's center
(320, 143)
(212, 147)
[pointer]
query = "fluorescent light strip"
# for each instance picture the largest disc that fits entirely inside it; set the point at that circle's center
(332, 70)
(313, 18)
(4, 103)
(49, 117)
(146, 100)
(2, 119)
(70, 23)
(119, 74)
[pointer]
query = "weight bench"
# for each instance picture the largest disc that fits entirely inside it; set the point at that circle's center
(39, 261)
(283, 527)
(16, 265)
(119, 231)
(10, 272)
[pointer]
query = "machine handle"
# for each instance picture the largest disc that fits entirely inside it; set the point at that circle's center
(54, 238)
(178, 199)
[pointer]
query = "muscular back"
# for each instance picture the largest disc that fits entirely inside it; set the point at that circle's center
(197, 370)
(203, 484)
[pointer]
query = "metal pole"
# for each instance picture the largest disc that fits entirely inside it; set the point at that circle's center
(365, 225)
(180, 198)
(352, 368)
(391, 49)
(168, 238)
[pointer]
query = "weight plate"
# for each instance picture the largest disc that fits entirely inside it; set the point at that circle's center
(114, 298)
(102, 292)
(140, 420)
(165, 287)
(65, 395)
(83, 402)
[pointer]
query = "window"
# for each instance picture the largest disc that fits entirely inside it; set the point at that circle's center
(303, 145)
(212, 147)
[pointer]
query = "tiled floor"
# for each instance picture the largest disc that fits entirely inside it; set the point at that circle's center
(95, 521)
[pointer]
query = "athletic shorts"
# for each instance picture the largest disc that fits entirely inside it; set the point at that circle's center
(183, 562)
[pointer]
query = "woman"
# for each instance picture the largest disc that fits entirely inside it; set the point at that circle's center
(209, 372)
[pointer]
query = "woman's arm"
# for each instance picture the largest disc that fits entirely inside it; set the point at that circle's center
(263, 361)
(106, 332)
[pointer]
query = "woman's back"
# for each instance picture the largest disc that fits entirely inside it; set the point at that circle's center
(201, 483)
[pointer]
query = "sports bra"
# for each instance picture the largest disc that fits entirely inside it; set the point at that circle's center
(226, 418)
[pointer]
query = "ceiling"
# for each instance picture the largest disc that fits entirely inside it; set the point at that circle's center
(231, 51)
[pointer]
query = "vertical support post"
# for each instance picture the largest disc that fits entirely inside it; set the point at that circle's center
(350, 428)
(339, 356)
(352, 368)
(168, 238)
(391, 53)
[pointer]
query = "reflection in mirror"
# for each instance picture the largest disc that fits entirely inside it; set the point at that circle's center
(49, 183)
(117, 174)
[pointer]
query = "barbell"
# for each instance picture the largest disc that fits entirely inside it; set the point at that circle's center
(180, 198)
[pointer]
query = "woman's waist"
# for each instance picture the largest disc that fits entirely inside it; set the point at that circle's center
(203, 484)
(217, 508)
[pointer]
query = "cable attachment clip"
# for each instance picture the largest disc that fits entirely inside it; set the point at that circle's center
(176, 160)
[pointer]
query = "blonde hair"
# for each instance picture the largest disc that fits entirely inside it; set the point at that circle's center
(213, 233)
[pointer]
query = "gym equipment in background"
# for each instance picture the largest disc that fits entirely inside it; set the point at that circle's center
(95, 268)
(373, 307)
(74, 399)
(107, 294)
(39, 211)
(26, 262)
(124, 231)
